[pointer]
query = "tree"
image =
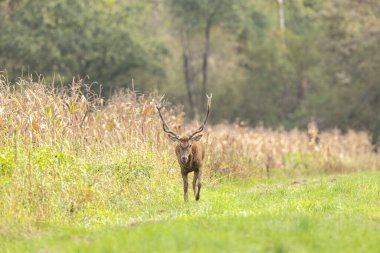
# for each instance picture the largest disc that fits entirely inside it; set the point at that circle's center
(351, 40)
(199, 16)
(281, 14)
(72, 38)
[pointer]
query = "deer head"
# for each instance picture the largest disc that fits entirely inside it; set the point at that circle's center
(184, 142)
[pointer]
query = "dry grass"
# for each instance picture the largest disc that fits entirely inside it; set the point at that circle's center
(295, 152)
(67, 155)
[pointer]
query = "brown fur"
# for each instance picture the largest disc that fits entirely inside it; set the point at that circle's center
(189, 151)
(196, 154)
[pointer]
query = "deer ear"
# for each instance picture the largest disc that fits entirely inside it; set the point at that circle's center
(172, 138)
(197, 137)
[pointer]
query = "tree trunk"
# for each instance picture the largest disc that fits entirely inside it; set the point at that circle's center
(281, 14)
(301, 89)
(188, 74)
(205, 57)
(154, 17)
(375, 133)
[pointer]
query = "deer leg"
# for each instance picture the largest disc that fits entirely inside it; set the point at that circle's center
(199, 184)
(185, 186)
(195, 182)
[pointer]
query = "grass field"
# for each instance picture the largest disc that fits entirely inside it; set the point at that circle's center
(325, 214)
(80, 174)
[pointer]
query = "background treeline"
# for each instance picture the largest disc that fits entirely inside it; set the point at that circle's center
(282, 63)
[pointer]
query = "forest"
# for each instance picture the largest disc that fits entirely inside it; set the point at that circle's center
(272, 63)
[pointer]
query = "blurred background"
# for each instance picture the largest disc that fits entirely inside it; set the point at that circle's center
(277, 63)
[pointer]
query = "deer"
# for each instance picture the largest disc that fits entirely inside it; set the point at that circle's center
(189, 151)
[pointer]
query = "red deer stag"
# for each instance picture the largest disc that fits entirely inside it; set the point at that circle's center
(189, 151)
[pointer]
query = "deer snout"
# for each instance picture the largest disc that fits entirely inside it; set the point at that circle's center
(184, 159)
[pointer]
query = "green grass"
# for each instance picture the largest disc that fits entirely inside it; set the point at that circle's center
(328, 214)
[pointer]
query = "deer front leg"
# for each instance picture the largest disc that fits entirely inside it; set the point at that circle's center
(195, 182)
(199, 184)
(185, 186)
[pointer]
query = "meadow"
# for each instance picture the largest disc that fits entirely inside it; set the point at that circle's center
(82, 174)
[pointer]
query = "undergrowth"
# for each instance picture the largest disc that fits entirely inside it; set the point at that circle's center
(69, 157)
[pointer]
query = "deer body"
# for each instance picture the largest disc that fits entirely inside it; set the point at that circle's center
(193, 163)
(189, 151)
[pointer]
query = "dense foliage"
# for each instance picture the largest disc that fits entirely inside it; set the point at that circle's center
(323, 65)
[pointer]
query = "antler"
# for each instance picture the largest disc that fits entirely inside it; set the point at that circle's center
(164, 125)
(200, 129)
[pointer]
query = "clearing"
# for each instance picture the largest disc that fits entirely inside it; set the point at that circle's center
(339, 213)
